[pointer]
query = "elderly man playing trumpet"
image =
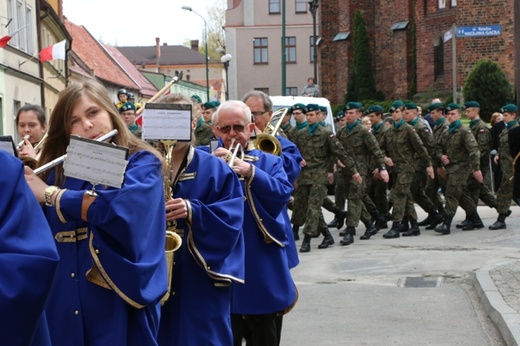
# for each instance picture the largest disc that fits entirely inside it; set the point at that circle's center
(267, 191)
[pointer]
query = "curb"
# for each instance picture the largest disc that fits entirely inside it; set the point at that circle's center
(505, 319)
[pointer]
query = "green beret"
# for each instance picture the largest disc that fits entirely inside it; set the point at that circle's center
(296, 106)
(311, 107)
(353, 105)
(196, 98)
(126, 107)
(374, 109)
(411, 105)
(471, 104)
(434, 106)
(340, 115)
(323, 109)
(209, 105)
(216, 103)
(396, 105)
(452, 106)
(509, 108)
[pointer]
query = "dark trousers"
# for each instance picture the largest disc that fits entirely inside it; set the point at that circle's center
(257, 330)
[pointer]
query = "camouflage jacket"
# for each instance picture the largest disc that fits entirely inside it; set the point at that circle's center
(461, 148)
(426, 137)
(482, 135)
(504, 151)
(317, 149)
(203, 134)
(441, 126)
(403, 146)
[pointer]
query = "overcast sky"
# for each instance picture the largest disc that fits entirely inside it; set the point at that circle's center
(138, 23)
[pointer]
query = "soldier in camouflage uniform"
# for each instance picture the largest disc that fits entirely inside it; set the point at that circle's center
(361, 145)
(298, 113)
(476, 190)
(505, 191)
(317, 144)
(433, 185)
(375, 186)
(402, 146)
(458, 153)
(420, 180)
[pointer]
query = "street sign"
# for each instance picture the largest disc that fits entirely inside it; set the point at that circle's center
(479, 31)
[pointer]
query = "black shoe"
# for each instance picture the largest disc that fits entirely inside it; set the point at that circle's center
(381, 223)
(498, 225)
(464, 223)
(333, 223)
(328, 240)
(414, 229)
(349, 236)
(443, 229)
(347, 239)
(306, 244)
(394, 231)
(426, 221)
(437, 219)
(366, 236)
(340, 215)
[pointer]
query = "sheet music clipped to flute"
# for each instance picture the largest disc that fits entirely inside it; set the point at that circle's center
(96, 162)
(7, 144)
(167, 121)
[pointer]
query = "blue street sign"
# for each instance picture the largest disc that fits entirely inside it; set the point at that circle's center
(479, 31)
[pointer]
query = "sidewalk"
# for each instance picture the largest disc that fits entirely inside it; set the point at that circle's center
(498, 287)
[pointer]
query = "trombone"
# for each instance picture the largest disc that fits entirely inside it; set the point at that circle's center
(267, 142)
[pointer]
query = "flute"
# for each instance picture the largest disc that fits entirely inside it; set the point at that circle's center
(62, 158)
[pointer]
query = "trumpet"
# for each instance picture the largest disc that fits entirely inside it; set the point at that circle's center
(22, 142)
(234, 152)
(267, 142)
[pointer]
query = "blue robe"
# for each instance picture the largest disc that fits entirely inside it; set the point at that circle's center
(28, 259)
(269, 287)
(124, 240)
(210, 258)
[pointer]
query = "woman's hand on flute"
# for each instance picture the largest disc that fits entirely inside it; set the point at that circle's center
(37, 185)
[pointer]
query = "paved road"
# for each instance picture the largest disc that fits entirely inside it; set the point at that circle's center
(358, 295)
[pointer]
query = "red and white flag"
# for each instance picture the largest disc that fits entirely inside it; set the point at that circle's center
(54, 52)
(5, 40)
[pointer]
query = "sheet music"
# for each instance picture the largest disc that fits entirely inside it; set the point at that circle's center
(96, 162)
(213, 145)
(7, 144)
(167, 121)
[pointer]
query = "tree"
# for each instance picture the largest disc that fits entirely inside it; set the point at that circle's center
(361, 84)
(488, 85)
(216, 22)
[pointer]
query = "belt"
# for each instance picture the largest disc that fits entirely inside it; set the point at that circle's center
(71, 236)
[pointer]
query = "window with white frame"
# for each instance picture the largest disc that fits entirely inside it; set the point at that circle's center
(301, 6)
(442, 4)
(20, 13)
(274, 7)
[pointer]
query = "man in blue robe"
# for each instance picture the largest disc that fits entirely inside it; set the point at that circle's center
(28, 259)
(269, 290)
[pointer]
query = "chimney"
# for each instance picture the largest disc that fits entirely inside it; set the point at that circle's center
(157, 48)
(194, 45)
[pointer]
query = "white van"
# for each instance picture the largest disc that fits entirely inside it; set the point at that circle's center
(289, 101)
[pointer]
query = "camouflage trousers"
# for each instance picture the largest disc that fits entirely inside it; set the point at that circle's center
(377, 192)
(420, 181)
(456, 194)
(505, 191)
(357, 198)
(308, 200)
(480, 191)
(432, 190)
(403, 205)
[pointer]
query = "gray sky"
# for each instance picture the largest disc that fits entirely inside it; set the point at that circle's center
(130, 23)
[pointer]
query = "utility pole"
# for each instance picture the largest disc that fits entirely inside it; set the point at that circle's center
(313, 7)
(284, 53)
(517, 48)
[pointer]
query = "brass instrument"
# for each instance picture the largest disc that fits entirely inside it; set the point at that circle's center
(31, 162)
(234, 153)
(267, 142)
(173, 240)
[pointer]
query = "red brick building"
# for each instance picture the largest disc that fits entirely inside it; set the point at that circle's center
(408, 38)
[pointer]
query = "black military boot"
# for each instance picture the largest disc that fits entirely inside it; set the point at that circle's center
(349, 236)
(340, 216)
(328, 240)
(295, 230)
(437, 219)
(333, 223)
(414, 229)
(426, 221)
(464, 223)
(394, 231)
(306, 243)
(371, 230)
(444, 228)
(346, 230)
(404, 225)
(474, 222)
(500, 223)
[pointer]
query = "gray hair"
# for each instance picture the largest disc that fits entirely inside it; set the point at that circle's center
(233, 104)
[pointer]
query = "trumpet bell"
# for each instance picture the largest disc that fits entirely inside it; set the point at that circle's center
(268, 144)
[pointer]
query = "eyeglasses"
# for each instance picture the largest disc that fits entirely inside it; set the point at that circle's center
(227, 129)
(258, 113)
